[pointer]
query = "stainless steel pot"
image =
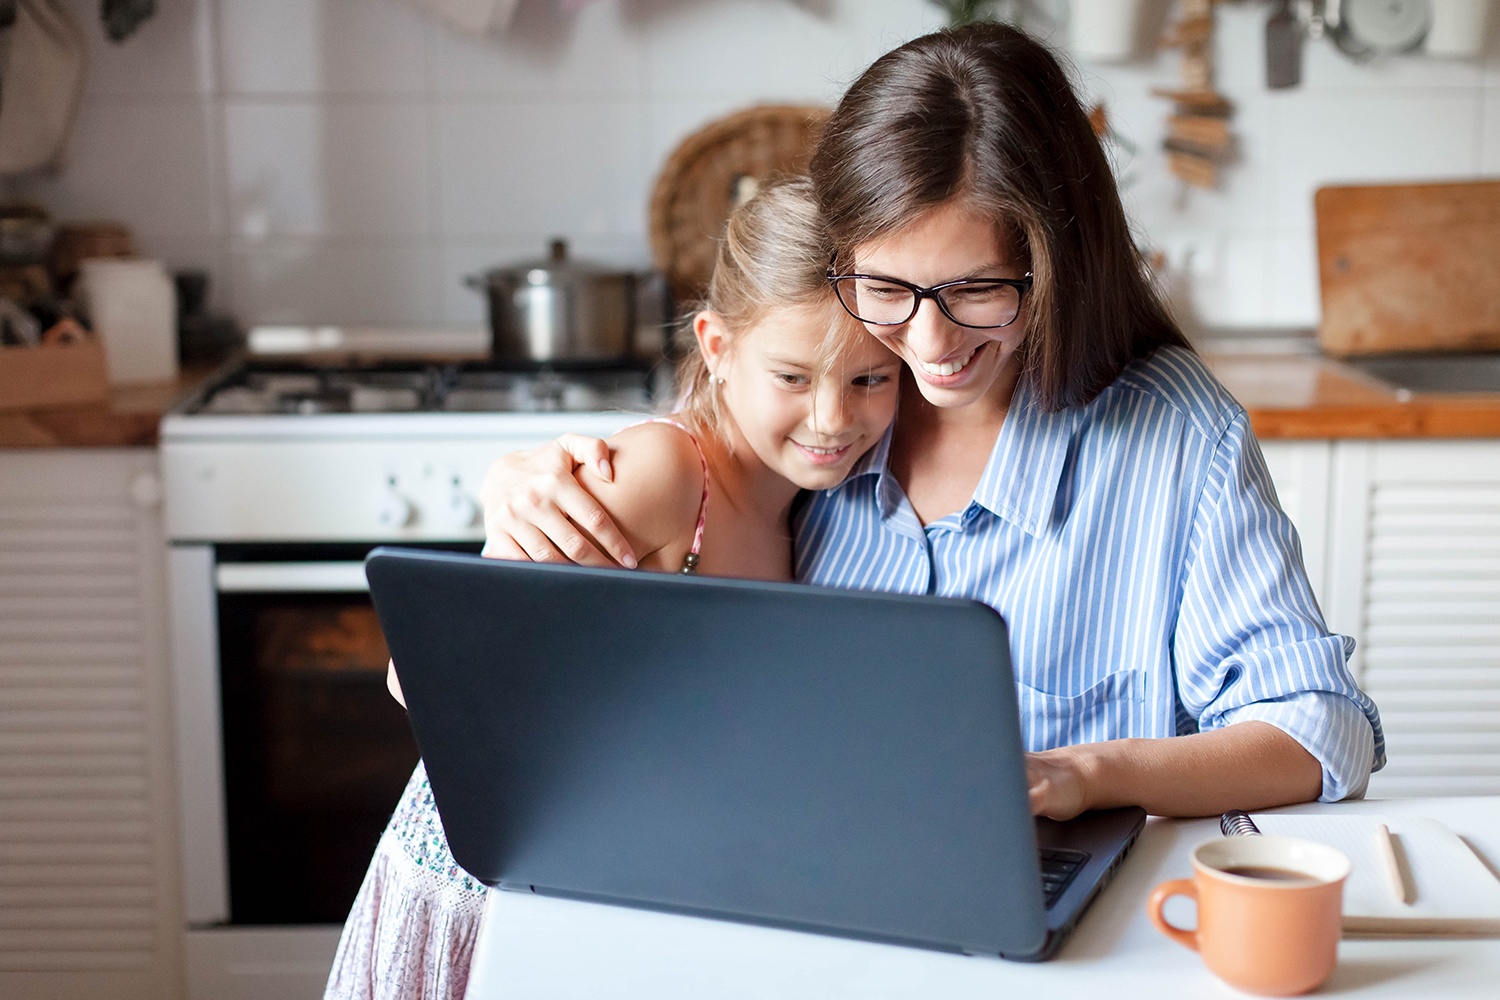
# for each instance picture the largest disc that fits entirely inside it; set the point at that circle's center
(559, 310)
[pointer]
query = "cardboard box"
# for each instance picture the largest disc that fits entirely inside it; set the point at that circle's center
(52, 375)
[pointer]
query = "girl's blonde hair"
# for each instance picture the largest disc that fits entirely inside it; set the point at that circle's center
(773, 256)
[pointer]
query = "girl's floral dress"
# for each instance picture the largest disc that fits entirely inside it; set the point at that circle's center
(410, 934)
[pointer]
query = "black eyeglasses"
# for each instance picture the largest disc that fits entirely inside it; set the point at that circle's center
(980, 303)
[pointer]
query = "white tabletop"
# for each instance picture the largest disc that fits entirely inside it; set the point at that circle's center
(536, 946)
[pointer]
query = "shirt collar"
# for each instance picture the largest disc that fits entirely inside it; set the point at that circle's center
(1026, 467)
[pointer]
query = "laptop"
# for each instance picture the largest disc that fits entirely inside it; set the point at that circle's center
(835, 761)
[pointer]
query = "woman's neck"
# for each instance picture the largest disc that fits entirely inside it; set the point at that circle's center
(939, 453)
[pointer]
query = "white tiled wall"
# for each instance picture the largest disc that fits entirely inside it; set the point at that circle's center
(352, 160)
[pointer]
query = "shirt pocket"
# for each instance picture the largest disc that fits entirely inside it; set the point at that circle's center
(1110, 708)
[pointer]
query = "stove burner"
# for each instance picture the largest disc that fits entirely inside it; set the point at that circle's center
(451, 388)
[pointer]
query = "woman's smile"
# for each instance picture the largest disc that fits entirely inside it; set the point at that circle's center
(943, 372)
(954, 365)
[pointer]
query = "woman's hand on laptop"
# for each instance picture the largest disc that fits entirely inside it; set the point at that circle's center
(1058, 782)
(534, 508)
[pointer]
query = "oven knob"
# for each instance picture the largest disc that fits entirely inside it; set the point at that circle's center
(395, 510)
(460, 512)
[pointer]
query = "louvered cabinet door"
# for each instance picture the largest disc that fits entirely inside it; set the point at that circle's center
(1417, 554)
(88, 893)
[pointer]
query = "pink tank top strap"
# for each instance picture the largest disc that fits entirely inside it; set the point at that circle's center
(690, 561)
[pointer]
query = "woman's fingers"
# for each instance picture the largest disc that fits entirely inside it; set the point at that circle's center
(581, 510)
(535, 543)
(503, 547)
(589, 452)
(535, 509)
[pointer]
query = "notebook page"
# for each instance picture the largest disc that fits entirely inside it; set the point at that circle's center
(1454, 891)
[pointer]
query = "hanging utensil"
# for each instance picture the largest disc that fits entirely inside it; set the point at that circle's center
(1284, 30)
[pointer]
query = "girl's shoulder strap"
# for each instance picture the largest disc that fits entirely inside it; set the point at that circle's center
(690, 561)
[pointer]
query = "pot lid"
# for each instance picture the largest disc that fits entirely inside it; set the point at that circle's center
(1382, 27)
(556, 268)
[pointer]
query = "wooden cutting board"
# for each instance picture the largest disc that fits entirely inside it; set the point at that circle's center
(1409, 267)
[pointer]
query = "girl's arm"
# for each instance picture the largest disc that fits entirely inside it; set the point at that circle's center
(393, 683)
(653, 495)
(1247, 765)
(534, 507)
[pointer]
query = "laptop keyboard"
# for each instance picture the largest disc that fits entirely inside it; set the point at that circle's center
(1059, 868)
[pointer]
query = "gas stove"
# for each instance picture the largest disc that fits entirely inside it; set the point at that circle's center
(335, 436)
(265, 389)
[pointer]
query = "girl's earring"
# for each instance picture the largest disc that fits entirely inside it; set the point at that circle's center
(716, 380)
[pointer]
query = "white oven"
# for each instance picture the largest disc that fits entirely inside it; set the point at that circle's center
(291, 755)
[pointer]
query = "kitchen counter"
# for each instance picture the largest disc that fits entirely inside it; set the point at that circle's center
(1290, 395)
(1303, 395)
(128, 419)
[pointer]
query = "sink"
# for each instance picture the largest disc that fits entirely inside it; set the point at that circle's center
(1449, 373)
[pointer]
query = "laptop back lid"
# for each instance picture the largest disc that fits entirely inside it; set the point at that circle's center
(828, 760)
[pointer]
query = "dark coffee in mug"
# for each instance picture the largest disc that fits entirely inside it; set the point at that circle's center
(1269, 911)
(1268, 874)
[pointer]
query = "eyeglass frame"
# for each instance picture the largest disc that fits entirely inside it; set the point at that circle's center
(1022, 285)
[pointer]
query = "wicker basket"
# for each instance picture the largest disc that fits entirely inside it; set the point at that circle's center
(705, 177)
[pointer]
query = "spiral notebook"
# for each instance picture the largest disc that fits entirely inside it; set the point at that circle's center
(1451, 890)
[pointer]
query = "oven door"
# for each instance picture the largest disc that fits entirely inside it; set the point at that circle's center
(314, 751)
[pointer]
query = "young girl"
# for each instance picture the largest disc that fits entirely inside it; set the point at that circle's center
(785, 393)
(1061, 454)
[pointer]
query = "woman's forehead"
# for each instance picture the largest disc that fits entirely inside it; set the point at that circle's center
(946, 242)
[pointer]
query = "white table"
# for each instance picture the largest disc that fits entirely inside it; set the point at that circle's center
(536, 946)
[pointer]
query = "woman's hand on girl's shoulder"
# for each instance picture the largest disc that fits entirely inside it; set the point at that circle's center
(656, 491)
(534, 508)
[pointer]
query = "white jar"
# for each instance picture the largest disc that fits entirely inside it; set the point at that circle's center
(132, 307)
(1458, 28)
(1103, 30)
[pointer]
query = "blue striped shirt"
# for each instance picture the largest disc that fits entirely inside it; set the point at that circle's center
(1151, 582)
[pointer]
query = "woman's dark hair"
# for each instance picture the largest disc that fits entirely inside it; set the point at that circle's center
(985, 114)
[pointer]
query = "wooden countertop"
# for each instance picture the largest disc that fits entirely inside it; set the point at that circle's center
(1289, 396)
(1309, 396)
(129, 419)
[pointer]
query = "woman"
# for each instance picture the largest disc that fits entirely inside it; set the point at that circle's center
(1060, 453)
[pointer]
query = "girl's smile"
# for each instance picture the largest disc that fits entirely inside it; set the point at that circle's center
(804, 424)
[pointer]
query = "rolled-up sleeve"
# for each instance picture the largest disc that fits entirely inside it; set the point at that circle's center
(1250, 642)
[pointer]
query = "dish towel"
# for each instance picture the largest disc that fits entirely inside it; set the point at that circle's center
(41, 86)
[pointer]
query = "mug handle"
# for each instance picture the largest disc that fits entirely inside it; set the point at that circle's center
(1159, 896)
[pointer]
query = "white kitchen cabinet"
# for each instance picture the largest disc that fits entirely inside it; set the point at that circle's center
(1402, 544)
(1414, 575)
(88, 886)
